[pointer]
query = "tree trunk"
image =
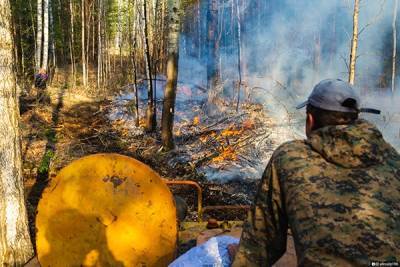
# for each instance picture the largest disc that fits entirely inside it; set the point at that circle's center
(52, 40)
(354, 43)
(84, 75)
(172, 75)
(151, 123)
(134, 65)
(39, 35)
(213, 73)
(72, 41)
(45, 34)
(15, 245)
(239, 44)
(119, 35)
(99, 46)
(394, 45)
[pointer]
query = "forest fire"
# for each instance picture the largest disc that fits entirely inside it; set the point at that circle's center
(200, 92)
(224, 148)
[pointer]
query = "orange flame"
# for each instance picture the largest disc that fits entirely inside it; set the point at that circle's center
(228, 153)
(196, 120)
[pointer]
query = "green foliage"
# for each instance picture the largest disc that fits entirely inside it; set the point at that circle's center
(48, 156)
(45, 163)
(50, 135)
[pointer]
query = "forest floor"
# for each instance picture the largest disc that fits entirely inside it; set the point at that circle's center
(225, 154)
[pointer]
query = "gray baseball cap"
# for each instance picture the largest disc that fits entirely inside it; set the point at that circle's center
(335, 95)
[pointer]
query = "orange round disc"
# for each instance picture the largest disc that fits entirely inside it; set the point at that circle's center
(106, 210)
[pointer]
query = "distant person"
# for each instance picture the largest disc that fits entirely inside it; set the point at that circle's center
(41, 79)
(41, 84)
(338, 191)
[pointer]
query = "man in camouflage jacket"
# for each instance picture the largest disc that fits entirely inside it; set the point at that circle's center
(338, 191)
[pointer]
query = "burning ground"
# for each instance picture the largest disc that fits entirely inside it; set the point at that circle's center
(226, 153)
(234, 145)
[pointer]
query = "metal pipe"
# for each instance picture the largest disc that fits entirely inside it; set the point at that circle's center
(199, 193)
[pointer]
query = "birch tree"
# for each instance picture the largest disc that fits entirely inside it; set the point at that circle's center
(15, 245)
(45, 59)
(354, 43)
(52, 38)
(99, 46)
(239, 45)
(84, 71)
(172, 74)
(213, 72)
(39, 35)
(119, 31)
(72, 40)
(151, 123)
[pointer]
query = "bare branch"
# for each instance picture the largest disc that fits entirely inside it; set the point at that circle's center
(375, 19)
(345, 62)
(347, 33)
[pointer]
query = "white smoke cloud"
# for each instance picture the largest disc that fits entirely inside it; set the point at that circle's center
(296, 44)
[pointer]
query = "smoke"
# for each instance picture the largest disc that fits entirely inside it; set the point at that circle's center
(290, 45)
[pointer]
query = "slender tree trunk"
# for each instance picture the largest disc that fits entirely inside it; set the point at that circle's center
(94, 39)
(394, 45)
(199, 27)
(99, 46)
(52, 38)
(354, 43)
(87, 51)
(213, 73)
(133, 33)
(84, 74)
(151, 123)
(239, 45)
(15, 245)
(106, 53)
(155, 57)
(72, 42)
(63, 32)
(45, 34)
(33, 25)
(161, 53)
(38, 54)
(119, 36)
(167, 121)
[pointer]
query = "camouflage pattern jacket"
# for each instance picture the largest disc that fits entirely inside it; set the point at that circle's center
(338, 191)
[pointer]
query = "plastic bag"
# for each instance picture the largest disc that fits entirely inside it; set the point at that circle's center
(213, 253)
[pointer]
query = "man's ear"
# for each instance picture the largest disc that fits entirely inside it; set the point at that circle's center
(310, 123)
(310, 120)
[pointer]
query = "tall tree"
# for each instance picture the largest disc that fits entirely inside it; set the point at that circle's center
(72, 40)
(172, 74)
(45, 60)
(354, 43)
(119, 31)
(15, 245)
(99, 45)
(39, 35)
(151, 122)
(52, 38)
(213, 72)
(239, 45)
(394, 45)
(84, 71)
